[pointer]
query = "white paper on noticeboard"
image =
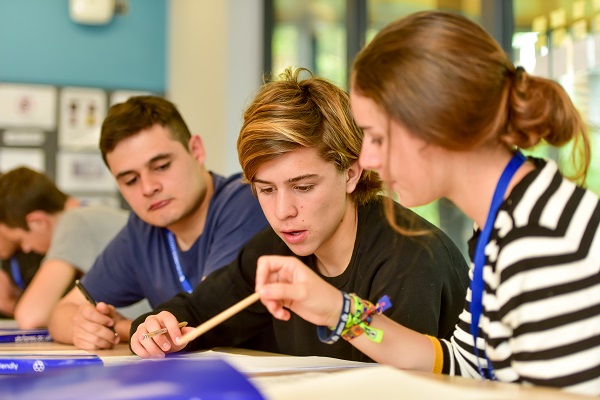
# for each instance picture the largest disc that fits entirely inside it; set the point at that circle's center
(28, 106)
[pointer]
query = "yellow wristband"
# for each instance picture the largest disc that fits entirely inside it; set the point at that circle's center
(438, 362)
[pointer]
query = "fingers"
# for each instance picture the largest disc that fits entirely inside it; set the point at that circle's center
(156, 346)
(91, 329)
(269, 269)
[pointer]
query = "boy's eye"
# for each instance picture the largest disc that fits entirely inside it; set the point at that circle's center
(163, 166)
(265, 190)
(131, 181)
(303, 188)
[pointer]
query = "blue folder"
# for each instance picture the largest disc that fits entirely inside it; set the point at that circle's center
(172, 379)
(19, 363)
(15, 335)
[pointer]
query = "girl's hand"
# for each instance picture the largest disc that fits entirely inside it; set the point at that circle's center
(285, 283)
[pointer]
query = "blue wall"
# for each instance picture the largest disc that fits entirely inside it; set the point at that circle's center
(40, 44)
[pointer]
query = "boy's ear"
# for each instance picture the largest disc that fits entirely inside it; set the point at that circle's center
(196, 148)
(353, 175)
(37, 220)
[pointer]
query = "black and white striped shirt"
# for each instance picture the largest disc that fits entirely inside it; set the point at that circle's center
(541, 303)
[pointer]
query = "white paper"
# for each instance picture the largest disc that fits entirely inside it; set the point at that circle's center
(29, 106)
(83, 172)
(29, 137)
(384, 383)
(82, 112)
(260, 364)
(11, 158)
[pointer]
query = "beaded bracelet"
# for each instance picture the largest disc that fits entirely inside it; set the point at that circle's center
(359, 322)
(341, 325)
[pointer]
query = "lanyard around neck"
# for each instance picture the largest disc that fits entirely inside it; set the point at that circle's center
(477, 284)
(15, 271)
(175, 255)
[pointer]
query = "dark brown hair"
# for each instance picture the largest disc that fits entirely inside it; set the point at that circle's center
(138, 113)
(23, 191)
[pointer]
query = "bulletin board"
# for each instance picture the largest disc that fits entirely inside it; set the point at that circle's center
(56, 130)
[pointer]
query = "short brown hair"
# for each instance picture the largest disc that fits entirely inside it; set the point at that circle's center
(291, 113)
(138, 113)
(22, 191)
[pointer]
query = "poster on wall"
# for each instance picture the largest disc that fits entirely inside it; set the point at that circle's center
(22, 157)
(28, 106)
(83, 172)
(82, 111)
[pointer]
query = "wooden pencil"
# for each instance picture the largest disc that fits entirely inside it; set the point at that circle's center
(217, 319)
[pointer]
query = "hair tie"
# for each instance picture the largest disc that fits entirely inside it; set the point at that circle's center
(520, 80)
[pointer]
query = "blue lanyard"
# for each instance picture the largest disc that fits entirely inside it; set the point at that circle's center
(15, 270)
(477, 284)
(175, 254)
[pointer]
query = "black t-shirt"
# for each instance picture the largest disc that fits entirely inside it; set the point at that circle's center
(426, 278)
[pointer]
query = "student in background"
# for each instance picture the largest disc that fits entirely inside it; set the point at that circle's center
(40, 218)
(186, 222)
(16, 271)
(299, 149)
(444, 113)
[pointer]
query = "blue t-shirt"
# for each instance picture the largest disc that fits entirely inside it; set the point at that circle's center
(138, 264)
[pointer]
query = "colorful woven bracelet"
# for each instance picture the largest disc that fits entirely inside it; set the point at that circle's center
(341, 325)
(359, 322)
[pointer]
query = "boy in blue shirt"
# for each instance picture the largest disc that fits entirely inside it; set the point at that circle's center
(186, 222)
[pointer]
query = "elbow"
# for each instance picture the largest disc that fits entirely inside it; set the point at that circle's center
(30, 320)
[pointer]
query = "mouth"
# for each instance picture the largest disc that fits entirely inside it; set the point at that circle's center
(158, 205)
(294, 237)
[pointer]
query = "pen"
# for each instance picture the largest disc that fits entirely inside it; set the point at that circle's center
(91, 300)
(161, 331)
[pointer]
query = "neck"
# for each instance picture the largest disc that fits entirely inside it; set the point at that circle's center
(477, 175)
(333, 256)
(189, 228)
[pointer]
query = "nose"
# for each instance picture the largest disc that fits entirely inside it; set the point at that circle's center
(149, 185)
(369, 157)
(284, 205)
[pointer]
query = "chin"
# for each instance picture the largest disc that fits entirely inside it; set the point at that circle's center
(299, 250)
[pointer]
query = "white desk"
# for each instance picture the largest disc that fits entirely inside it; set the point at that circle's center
(373, 382)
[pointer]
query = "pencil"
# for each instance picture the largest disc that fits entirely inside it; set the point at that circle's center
(89, 298)
(217, 319)
(161, 331)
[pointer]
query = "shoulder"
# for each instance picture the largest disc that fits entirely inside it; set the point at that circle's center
(232, 190)
(546, 200)
(425, 247)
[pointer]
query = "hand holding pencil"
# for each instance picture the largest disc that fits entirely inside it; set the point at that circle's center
(164, 330)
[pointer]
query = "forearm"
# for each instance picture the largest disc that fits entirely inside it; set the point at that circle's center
(400, 347)
(61, 322)
(8, 304)
(34, 309)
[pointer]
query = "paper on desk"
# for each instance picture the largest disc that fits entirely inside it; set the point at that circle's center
(251, 365)
(380, 382)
